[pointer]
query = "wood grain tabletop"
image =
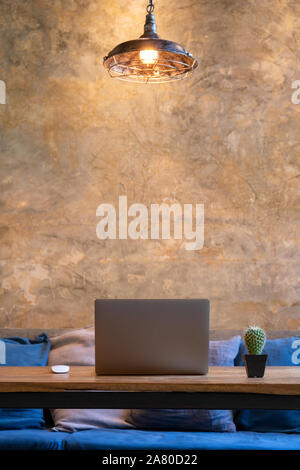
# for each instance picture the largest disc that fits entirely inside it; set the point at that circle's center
(277, 380)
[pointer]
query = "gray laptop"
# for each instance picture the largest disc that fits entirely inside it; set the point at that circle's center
(143, 337)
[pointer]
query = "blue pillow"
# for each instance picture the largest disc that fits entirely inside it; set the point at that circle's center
(221, 353)
(23, 352)
(281, 352)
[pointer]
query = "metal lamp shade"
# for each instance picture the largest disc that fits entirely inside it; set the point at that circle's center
(172, 61)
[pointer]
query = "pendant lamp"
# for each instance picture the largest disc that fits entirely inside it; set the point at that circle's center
(150, 59)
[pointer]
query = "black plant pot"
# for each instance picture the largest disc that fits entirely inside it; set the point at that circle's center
(255, 364)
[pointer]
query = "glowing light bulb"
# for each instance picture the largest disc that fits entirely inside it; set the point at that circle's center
(148, 56)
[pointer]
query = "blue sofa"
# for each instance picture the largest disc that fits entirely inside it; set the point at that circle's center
(119, 439)
(132, 439)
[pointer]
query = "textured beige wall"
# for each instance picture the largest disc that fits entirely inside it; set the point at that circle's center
(72, 138)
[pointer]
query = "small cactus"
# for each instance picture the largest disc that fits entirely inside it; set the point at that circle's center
(255, 339)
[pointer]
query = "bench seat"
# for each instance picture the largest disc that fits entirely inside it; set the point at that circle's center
(119, 439)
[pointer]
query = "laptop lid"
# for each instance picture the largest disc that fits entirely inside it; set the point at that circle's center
(145, 337)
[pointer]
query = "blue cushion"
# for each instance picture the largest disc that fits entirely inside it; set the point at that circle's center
(281, 352)
(221, 353)
(23, 352)
(26, 352)
(31, 439)
(120, 439)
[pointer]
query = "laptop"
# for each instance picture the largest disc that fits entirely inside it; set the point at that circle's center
(151, 337)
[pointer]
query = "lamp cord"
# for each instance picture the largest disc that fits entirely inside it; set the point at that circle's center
(150, 7)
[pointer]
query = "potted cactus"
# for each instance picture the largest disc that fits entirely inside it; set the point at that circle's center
(255, 361)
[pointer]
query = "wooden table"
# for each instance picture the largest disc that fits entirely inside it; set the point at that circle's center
(222, 388)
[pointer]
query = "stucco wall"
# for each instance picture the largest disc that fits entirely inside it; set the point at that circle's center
(72, 138)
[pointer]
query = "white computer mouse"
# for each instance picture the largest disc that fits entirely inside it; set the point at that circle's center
(60, 369)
